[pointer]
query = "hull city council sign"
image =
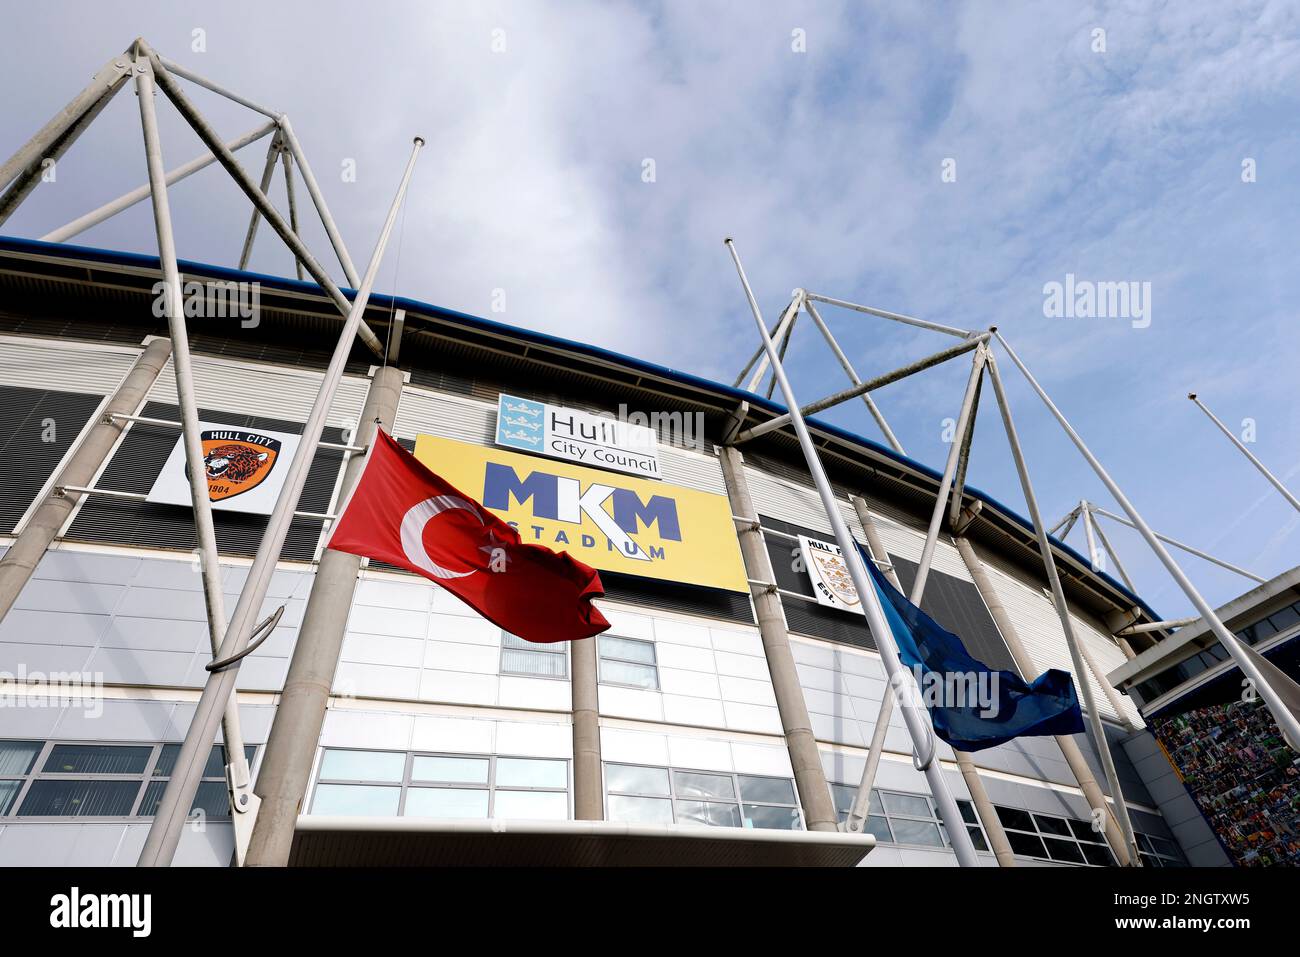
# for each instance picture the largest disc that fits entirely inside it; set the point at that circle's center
(612, 522)
(599, 441)
(245, 469)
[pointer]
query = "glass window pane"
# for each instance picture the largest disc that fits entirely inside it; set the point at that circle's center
(1167, 848)
(536, 805)
(977, 838)
(214, 768)
(1059, 850)
(1052, 825)
(79, 799)
(531, 773)
(915, 832)
(8, 791)
(623, 673)
(968, 812)
(1028, 845)
(451, 770)
(701, 812)
(634, 810)
(874, 805)
(1284, 619)
(212, 798)
(692, 784)
(542, 664)
(366, 799)
(772, 818)
(1098, 855)
(1143, 842)
(363, 766)
(912, 804)
(880, 828)
(767, 790)
(633, 779)
(446, 802)
(514, 641)
(1019, 820)
(16, 757)
(97, 759)
(843, 796)
(1084, 831)
(627, 649)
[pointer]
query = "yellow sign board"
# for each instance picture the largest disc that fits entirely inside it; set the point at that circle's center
(610, 521)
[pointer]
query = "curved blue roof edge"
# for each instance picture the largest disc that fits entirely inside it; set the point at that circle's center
(114, 257)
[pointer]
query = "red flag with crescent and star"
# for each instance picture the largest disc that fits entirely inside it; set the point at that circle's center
(403, 514)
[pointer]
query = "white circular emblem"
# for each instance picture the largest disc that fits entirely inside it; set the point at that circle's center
(413, 523)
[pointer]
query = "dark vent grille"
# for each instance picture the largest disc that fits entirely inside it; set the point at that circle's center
(25, 460)
(685, 599)
(140, 458)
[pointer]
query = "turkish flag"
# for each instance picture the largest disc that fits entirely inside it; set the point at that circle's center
(403, 514)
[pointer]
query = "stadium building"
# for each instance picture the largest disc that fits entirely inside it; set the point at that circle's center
(696, 730)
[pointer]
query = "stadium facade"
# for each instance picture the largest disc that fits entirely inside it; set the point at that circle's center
(445, 740)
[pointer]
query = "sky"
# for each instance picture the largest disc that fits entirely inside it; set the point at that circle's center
(943, 160)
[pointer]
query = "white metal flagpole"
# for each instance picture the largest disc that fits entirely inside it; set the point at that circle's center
(1286, 720)
(918, 723)
(1273, 479)
(169, 819)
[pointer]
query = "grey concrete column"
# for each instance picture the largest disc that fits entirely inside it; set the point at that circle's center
(295, 730)
(20, 561)
(1083, 775)
(974, 784)
(809, 776)
(588, 794)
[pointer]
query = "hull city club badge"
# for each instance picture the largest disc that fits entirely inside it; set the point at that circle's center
(237, 462)
(829, 575)
(245, 469)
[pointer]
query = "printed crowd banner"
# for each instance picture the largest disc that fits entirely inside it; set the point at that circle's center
(245, 469)
(610, 521)
(829, 574)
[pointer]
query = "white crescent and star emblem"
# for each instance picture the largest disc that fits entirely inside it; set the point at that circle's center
(413, 523)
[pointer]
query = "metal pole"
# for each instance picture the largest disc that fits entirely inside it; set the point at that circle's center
(209, 560)
(295, 730)
(1097, 510)
(870, 385)
(917, 722)
(293, 202)
(1114, 556)
(758, 354)
(251, 235)
(1286, 721)
(1074, 758)
(1100, 742)
(876, 414)
(1067, 521)
(970, 774)
(231, 165)
(796, 725)
(787, 318)
(897, 317)
(318, 199)
(1093, 554)
(30, 153)
(28, 179)
(1273, 479)
(127, 200)
(207, 84)
(785, 345)
(164, 834)
(39, 532)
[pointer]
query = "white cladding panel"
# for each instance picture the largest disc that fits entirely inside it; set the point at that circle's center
(469, 420)
(64, 366)
(272, 391)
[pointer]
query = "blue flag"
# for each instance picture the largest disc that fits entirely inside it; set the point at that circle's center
(972, 706)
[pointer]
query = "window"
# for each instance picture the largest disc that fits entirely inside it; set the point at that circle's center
(649, 795)
(1158, 851)
(70, 779)
(520, 657)
(1053, 838)
(895, 817)
(628, 662)
(393, 783)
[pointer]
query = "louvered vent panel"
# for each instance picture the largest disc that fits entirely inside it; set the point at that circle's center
(27, 418)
